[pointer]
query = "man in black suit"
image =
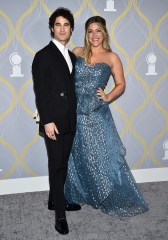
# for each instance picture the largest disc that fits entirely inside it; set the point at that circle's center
(53, 76)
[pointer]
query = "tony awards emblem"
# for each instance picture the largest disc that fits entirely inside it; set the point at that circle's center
(165, 147)
(151, 60)
(15, 60)
(110, 6)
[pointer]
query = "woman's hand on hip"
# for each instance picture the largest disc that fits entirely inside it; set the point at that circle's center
(101, 94)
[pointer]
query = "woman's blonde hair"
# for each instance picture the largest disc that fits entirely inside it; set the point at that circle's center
(87, 47)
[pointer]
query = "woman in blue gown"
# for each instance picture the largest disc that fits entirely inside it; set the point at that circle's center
(98, 174)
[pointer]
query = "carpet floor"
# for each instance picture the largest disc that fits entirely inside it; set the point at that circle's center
(25, 217)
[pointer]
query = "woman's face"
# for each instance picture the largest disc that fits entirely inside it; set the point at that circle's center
(95, 35)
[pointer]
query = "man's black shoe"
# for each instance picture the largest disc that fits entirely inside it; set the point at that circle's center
(61, 225)
(68, 206)
(72, 206)
(51, 205)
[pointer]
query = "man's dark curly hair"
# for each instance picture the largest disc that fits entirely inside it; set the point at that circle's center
(61, 12)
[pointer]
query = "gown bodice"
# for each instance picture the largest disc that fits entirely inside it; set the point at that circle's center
(87, 80)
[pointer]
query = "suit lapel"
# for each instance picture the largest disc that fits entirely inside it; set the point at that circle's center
(72, 60)
(59, 55)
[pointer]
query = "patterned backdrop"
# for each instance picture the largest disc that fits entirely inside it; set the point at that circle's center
(138, 33)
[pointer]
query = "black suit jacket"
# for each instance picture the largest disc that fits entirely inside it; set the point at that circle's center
(51, 78)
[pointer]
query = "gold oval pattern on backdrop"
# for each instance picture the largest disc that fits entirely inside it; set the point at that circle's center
(131, 64)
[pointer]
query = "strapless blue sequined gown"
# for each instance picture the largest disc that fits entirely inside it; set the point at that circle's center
(98, 174)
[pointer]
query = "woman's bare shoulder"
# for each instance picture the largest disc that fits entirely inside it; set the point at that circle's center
(113, 55)
(113, 58)
(78, 51)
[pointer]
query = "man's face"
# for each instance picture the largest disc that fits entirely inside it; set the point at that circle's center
(62, 30)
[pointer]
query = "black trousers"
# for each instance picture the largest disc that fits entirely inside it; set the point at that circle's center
(58, 153)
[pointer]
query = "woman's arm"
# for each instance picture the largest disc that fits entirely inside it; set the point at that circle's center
(119, 80)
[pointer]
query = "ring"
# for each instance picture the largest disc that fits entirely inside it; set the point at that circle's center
(52, 135)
